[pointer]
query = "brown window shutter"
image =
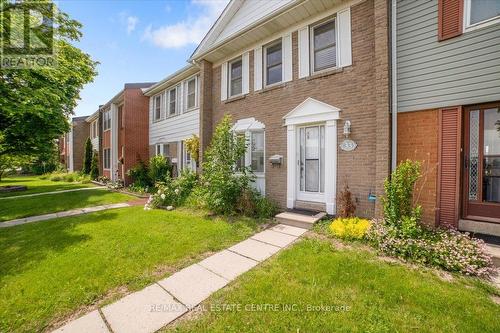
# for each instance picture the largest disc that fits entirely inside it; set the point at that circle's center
(450, 18)
(449, 167)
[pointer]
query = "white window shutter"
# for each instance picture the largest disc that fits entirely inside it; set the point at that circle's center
(151, 114)
(245, 64)
(257, 68)
(303, 52)
(287, 57)
(344, 26)
(223, 81)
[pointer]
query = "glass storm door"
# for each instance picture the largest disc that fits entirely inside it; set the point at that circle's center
(311, 162)
(482, 163)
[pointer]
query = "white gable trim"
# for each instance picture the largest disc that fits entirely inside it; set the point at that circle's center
(311, 111)
(248, 124)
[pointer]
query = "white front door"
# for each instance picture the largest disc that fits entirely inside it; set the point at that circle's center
(311, 163)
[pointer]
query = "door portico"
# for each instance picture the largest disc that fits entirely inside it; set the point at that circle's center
(312, 153)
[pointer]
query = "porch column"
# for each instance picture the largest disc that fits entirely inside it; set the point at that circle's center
(291, 166)
(331, 166)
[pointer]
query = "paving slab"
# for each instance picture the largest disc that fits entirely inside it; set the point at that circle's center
(117, 205)
(144, 311)
(40, 218)
(12, 223)
(90, 323)
(274, 238)
(288, 229)
(228, 264)
(70, 213)
(93, 209)
(254, 249)
(193, 284)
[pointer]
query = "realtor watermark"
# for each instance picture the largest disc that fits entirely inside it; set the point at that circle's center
(252, 307)
(27, 36)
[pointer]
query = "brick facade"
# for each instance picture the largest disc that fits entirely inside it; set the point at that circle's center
(81, 130)
(360, 91)
(418, 141)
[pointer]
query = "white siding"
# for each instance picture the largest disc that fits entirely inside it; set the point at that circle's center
(431, 74)
(175, 128)
(250, 12)
(95, 143)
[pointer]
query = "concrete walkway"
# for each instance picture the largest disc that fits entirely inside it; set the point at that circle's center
(72, 212)
(159, 304)
(54, 192)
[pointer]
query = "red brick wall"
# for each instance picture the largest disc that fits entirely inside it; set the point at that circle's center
(81, 131)
(135, 133)
(355, 90)
(418, 140)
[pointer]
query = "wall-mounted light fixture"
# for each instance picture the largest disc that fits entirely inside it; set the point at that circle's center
(348, 144)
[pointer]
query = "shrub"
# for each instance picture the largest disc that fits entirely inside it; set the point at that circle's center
(350, 228)
(68, 178)
(346, 205)
(55, 178)
(159, 169)
(173, 192)
(265, 207)
(447, 249)
(87, 157)
(139, 174)
(193, 146)
(222, 185)
(398, 200)
(94, 166)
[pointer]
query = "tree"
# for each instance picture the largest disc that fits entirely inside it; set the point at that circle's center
(87, 157)
(94, 166)
(35, 104)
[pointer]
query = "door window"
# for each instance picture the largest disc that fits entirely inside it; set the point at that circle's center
(312, 160)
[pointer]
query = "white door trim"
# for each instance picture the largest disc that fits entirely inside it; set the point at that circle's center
(308, 112)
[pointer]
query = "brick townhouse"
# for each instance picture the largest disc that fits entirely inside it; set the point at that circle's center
(307, 83)
(72, 144)
(124, 138)
(174, 116)
(446, 86)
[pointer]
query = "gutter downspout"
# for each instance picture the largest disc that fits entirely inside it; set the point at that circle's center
(394, 90)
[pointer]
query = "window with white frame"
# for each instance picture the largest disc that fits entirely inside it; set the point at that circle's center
(94, 125)
(235, 77)
(120, 116)
(106, 120)
(158, 149)
(273, 63)
(157, 108)
(323, 46)
(187, 162)
(107, 158)
(191, 93)
(172, 102)
(479, 12)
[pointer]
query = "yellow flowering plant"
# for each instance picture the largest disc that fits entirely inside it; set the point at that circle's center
(350, 227)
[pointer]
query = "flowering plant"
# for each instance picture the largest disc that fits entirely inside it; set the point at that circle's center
(448, 249)
(173, 192)
(350, 227)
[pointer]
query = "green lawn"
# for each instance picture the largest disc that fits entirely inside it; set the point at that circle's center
(51, 203)
(382, 297)
(37, 185)
(52, 268)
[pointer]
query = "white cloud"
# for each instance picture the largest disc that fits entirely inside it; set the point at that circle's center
(131, 23)
(188, 31)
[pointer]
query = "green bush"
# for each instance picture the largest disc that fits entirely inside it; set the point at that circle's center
(87, 157)
(398, 200)
(94, 166)
(159, 169)
(173, 192)
(265, 207)
(222, 185)
(139, 174)
(55, 178)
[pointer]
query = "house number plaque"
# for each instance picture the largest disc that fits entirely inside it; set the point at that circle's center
(348, 145)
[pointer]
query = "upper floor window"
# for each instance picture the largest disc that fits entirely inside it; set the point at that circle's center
(235, 77)
(273, 63)
(479, 11)
(120, 116)
(106, 120)
(323, 46)
(172, 101)
(191, 93)
(157, 107)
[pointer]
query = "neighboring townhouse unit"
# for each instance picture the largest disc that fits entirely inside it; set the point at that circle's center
(94, 130)
(174, 116)
(447, 94)
(72, 144)
(125, 140)
(299, 77)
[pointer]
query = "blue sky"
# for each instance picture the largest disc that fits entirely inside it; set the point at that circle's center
(137, 40)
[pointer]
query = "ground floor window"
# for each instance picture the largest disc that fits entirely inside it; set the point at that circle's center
(162, 149)
(107, 158)
(187, 160)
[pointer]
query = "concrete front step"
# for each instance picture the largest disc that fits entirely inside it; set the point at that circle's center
(494, 251)
(299, 220)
